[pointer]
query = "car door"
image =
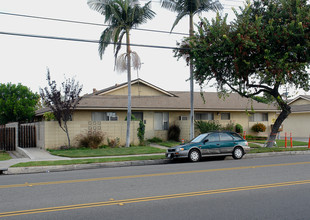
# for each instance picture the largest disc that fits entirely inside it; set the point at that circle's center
(211, 144)
(227, 143)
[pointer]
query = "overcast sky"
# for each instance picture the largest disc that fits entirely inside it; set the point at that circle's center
(25, 60)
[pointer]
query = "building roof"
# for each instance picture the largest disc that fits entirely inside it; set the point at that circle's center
(305, 97)
(167, 101)
(300, 108)
(179, 102)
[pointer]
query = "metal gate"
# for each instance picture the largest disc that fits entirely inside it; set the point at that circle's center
(7, 139)
(27, 136)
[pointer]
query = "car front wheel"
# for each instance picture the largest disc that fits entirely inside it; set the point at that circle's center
(194, 155)
(238, 153)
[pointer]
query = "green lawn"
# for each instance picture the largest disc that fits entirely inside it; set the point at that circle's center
(85, 152)
(281, 143)
(87, 161)
(169, 143)
(4, 156)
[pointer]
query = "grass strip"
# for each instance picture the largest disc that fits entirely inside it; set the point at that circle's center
(276, 149)
(4, 156)
(281, 143)
(87, 161)
(85, 152)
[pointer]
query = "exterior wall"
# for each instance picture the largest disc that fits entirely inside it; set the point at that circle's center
(298, 124)
(300, 102)
(148, 116)
(81, 115)
(137, 90)
(56, 137)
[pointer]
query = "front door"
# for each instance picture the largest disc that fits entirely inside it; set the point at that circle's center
(211, 144)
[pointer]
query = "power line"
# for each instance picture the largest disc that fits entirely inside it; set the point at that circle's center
(83, 40)
(85, 23)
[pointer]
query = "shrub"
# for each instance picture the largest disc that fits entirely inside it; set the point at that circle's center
(174, 133)
(207, 126)
(90, 140)
(252, 138)
(229, 127)
(49, 116)
(113, 142)
(239, 128)
(155, 140)
(259, 127)
(141, 132)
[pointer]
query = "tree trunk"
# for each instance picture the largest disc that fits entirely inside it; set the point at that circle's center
(286, 110)
(67, 133)
(129, 89)
(191, 33)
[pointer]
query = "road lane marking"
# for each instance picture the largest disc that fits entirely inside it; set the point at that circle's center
(152, 198)
(149, 175)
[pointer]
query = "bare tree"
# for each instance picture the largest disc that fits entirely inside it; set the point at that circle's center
(62, 101)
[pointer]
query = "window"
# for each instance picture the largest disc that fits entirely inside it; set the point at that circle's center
(225, 116)
(138, 115)
(225, 137)
(258, 117)
(214, 137)
(104, 116)
(204, 116)
(161, 121)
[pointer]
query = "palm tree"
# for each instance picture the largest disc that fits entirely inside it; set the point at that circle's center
(122, 16)
(190, 8)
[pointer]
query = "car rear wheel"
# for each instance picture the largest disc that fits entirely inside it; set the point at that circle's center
(194, 155)
(238, 153)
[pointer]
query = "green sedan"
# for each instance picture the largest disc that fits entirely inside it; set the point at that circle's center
(219, 143)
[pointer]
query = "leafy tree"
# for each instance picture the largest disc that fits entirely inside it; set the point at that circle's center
(17, 103)
(62, 101)
(122, 16)
(265, 48)
(190, 8)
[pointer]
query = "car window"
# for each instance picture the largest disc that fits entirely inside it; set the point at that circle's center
(236, 136)
(213, 137)
(199, 138)
(225, 137)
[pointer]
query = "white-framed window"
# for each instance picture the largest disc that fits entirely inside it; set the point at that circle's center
(161, 121)
(225, 116)
(204, 116)
(256, 117)
(104, 116)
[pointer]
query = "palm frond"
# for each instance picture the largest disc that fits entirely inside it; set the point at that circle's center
(121, 62)
(135, 60)
(178, 18)
(169, 4)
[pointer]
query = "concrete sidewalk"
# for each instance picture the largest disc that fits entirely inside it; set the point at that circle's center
(37, 154)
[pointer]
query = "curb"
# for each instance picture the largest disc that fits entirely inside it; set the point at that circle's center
(47, 169)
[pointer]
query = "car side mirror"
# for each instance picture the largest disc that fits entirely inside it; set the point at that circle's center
(205, 141)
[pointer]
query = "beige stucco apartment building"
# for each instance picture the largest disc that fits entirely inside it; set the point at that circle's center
(105, 110)
(298, 122)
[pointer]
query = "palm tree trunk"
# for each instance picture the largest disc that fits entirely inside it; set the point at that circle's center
(129, 89)
(191, 33)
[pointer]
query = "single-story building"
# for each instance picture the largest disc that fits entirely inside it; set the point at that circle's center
(298, 122)
(106, 110)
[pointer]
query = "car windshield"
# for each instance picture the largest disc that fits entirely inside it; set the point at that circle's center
(199, 138)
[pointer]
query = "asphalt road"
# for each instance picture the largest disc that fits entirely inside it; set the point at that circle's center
(259, 188)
